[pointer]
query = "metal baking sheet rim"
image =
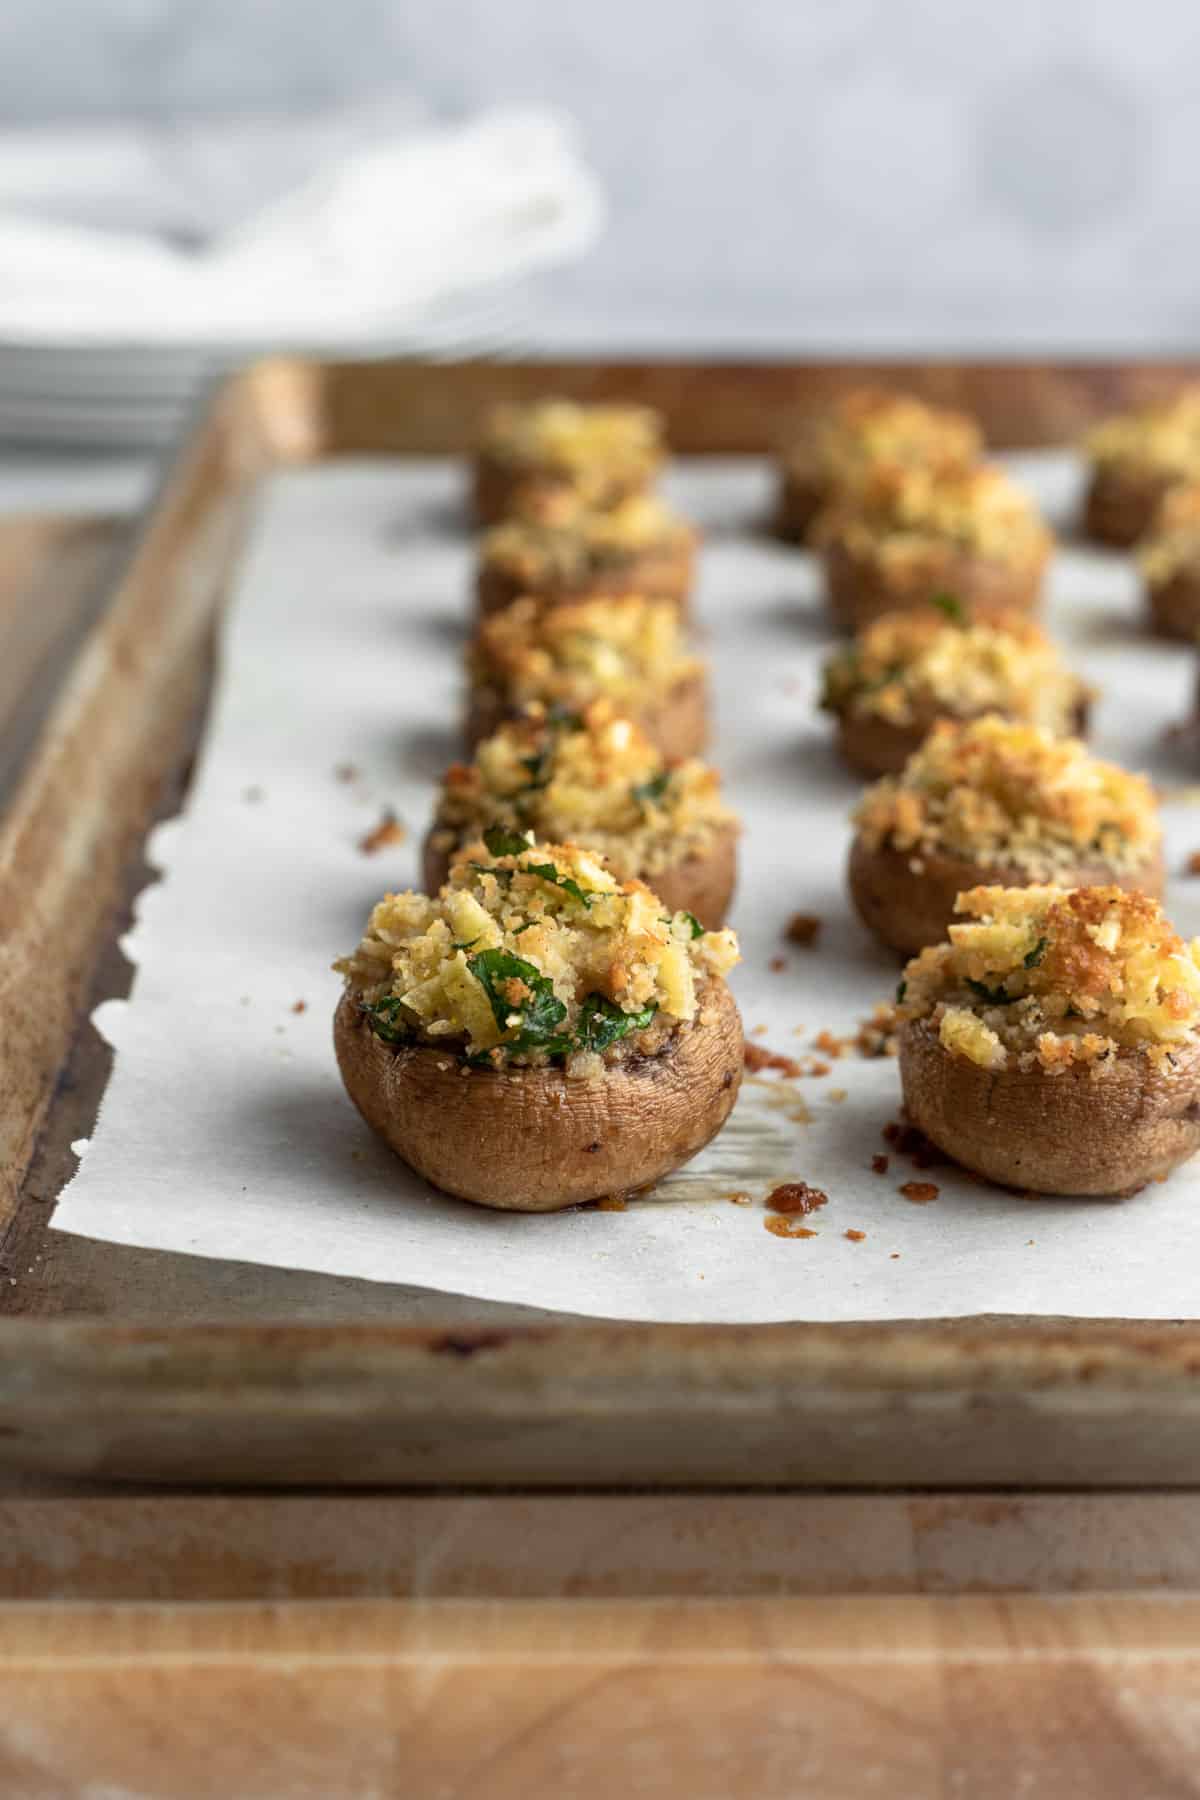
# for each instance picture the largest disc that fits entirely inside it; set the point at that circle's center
(965, 1402)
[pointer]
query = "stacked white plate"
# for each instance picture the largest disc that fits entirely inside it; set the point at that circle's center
(121, 300)
(137, 395)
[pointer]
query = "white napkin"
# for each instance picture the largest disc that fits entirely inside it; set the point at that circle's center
(281, 232)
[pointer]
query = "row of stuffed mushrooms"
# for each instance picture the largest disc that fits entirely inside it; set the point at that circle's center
(549, 1023)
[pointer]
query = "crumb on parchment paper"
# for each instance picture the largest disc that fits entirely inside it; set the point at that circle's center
(390, 830)
(803, 929)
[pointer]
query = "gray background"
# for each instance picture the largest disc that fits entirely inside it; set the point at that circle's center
(866, 173)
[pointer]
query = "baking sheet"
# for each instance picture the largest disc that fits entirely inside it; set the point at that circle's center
(225, 1131)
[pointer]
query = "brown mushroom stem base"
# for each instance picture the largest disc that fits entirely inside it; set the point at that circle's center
(701, 885)
(798, 506)
(1174, 607)
(533, 1140)
(1121, 504)
(1068, 1133)
(676, 722)
(906, 897)
(861, 589)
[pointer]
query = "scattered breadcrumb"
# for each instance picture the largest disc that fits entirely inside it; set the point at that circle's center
(785, 1228)
(345, 772)
(777, 965)
(837, 1095)
(803, 929)
(300, 1006)
(919, 1192)
(759, 1031)
(795, 1197)
(895, 1256)
(876, 1036)
(757, 1056)
(831, 1045)
(1193, 863)
(910, 1142)
(879, 1163)
(390, 830)
(856, 1237)
(739, 1198)
(612, 1203)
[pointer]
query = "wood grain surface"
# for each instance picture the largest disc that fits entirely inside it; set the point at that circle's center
(717, 1646)
(1082, 1698)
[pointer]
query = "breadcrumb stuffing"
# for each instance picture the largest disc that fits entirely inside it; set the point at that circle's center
(909, 668)
(898, 516)
(1053, 978)
(872, 425)
(576, 439)
(516, 955)
(557, 541)
(626, 649)
(591, 778)
(994, 790)
(1162, 438)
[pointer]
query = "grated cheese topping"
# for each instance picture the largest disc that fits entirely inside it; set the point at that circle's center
(571, 438)
(591, 778)
(570, 654)
(533, 957)
(994, 791)
(557, 540)
(1051, 978)
(872, 425)
(909, 667)
(1160, 439)
(900, 515)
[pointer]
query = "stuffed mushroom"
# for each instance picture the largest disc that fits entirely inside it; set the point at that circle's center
(594, 778)
(539, 1034)
(600, 453)
(1053, 1043)
(890, 685)
(995, 804)
(903, 535)
(869, 426)
(560, 549)
(1169, 557)
(1135, 459)
(632, 652)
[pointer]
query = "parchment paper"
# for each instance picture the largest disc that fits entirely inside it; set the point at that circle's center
(225, 1131)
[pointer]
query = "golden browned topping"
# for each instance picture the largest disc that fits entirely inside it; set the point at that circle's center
(902, 514)
(871, 425)
(911, 667)
(1160, 439)
(533, 956)
(592, 778)
(1052, 977)
(1173, 541)
(569, 655)
(561, 542)
(569, 438)
(995, 792)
